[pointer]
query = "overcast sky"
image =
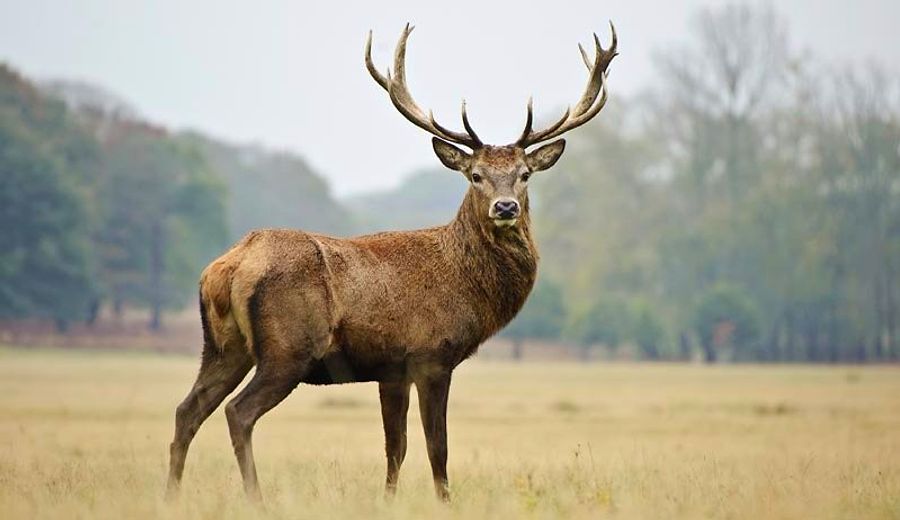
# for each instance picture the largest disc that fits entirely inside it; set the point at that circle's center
(290, 74)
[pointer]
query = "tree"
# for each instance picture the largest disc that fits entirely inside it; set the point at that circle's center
(45, 263)
(716, 90)
(606, 322)
(726, 317)
(164, 215)
(44, 268)
(732, 110)
(858, 135)
(648, 331)
(268, 189)
(541, 317)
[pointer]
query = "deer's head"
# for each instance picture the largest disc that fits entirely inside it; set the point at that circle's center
(498, 174)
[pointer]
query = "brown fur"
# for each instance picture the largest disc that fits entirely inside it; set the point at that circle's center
(216, 285)
(399, 308)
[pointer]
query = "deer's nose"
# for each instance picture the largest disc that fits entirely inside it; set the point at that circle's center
(506, 209)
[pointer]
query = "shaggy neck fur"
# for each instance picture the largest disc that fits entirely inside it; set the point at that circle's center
(499, 263)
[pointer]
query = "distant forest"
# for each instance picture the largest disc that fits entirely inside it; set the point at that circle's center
(744, 207)
(100, 207)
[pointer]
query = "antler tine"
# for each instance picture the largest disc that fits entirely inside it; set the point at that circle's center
(615, 39)
(529, 120)
(403, 101)
(381, 80)
(529, 137)
(467, 126)
(588, 106)
(397, 89)
(400, 56)
(473, 137)
(587, 61)
(596, 78)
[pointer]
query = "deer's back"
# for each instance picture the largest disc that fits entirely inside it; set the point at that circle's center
(370, 303)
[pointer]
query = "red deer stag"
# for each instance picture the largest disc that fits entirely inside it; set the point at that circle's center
(397, 308)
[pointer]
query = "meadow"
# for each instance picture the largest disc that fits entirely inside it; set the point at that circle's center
(84, 434)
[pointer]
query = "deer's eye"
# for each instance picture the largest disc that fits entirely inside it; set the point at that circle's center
(526, 176)
(476, 178)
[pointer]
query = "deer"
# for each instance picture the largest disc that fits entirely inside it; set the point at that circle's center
(397, 308)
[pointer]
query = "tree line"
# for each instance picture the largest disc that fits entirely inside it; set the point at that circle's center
(744, 207)
(101, 208)
(747, 207)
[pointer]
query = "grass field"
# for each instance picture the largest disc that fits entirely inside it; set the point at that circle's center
(85, 435)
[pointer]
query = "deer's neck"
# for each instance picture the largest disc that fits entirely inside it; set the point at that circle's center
(498, 263)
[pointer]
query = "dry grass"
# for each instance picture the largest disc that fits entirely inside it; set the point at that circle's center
(85, 435)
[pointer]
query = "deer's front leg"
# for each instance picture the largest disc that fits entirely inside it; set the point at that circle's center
(433, 391)
(394, 406)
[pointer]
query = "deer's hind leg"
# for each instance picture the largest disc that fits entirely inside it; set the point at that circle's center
(286, 338)
(220, 373)
(268, 387)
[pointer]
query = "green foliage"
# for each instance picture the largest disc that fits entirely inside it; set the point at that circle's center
(426, 198)
(41, 258)
(607, 322)
(45, 265)
(100, 206)
(266, 189)
(542, 316)
(164, 216)
(743, 206)
(648, 331)
(725, 316)
(717, 179)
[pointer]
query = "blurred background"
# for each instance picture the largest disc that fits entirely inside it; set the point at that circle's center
(737, 200)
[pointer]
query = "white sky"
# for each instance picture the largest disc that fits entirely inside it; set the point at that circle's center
(290, 74)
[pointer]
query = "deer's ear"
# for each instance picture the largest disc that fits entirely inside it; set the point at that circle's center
(451, 156)
(545, 156)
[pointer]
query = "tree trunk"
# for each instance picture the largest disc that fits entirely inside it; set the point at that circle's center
(791, 332)
(93, 312)
(118, 306)
(709, 351)
(156, 274)
(878, 291)
(812, 338)
(62, 325)
(684, 347)
(773, 339)
(833, 339)
(650, 351)
(585, 353)
(517, 344)
(155, 318)
(891, 311)
(860, 356)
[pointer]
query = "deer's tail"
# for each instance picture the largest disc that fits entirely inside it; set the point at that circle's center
(215, 303)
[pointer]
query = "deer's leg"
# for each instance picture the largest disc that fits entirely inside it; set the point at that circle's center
(394, 405)
(271, 383)
(433, 392)
(220, 373)
(288, 330)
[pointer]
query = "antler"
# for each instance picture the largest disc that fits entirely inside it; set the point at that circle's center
(403, 101)
(586, 107)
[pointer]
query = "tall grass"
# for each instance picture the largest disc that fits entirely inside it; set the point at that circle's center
(85, 435)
